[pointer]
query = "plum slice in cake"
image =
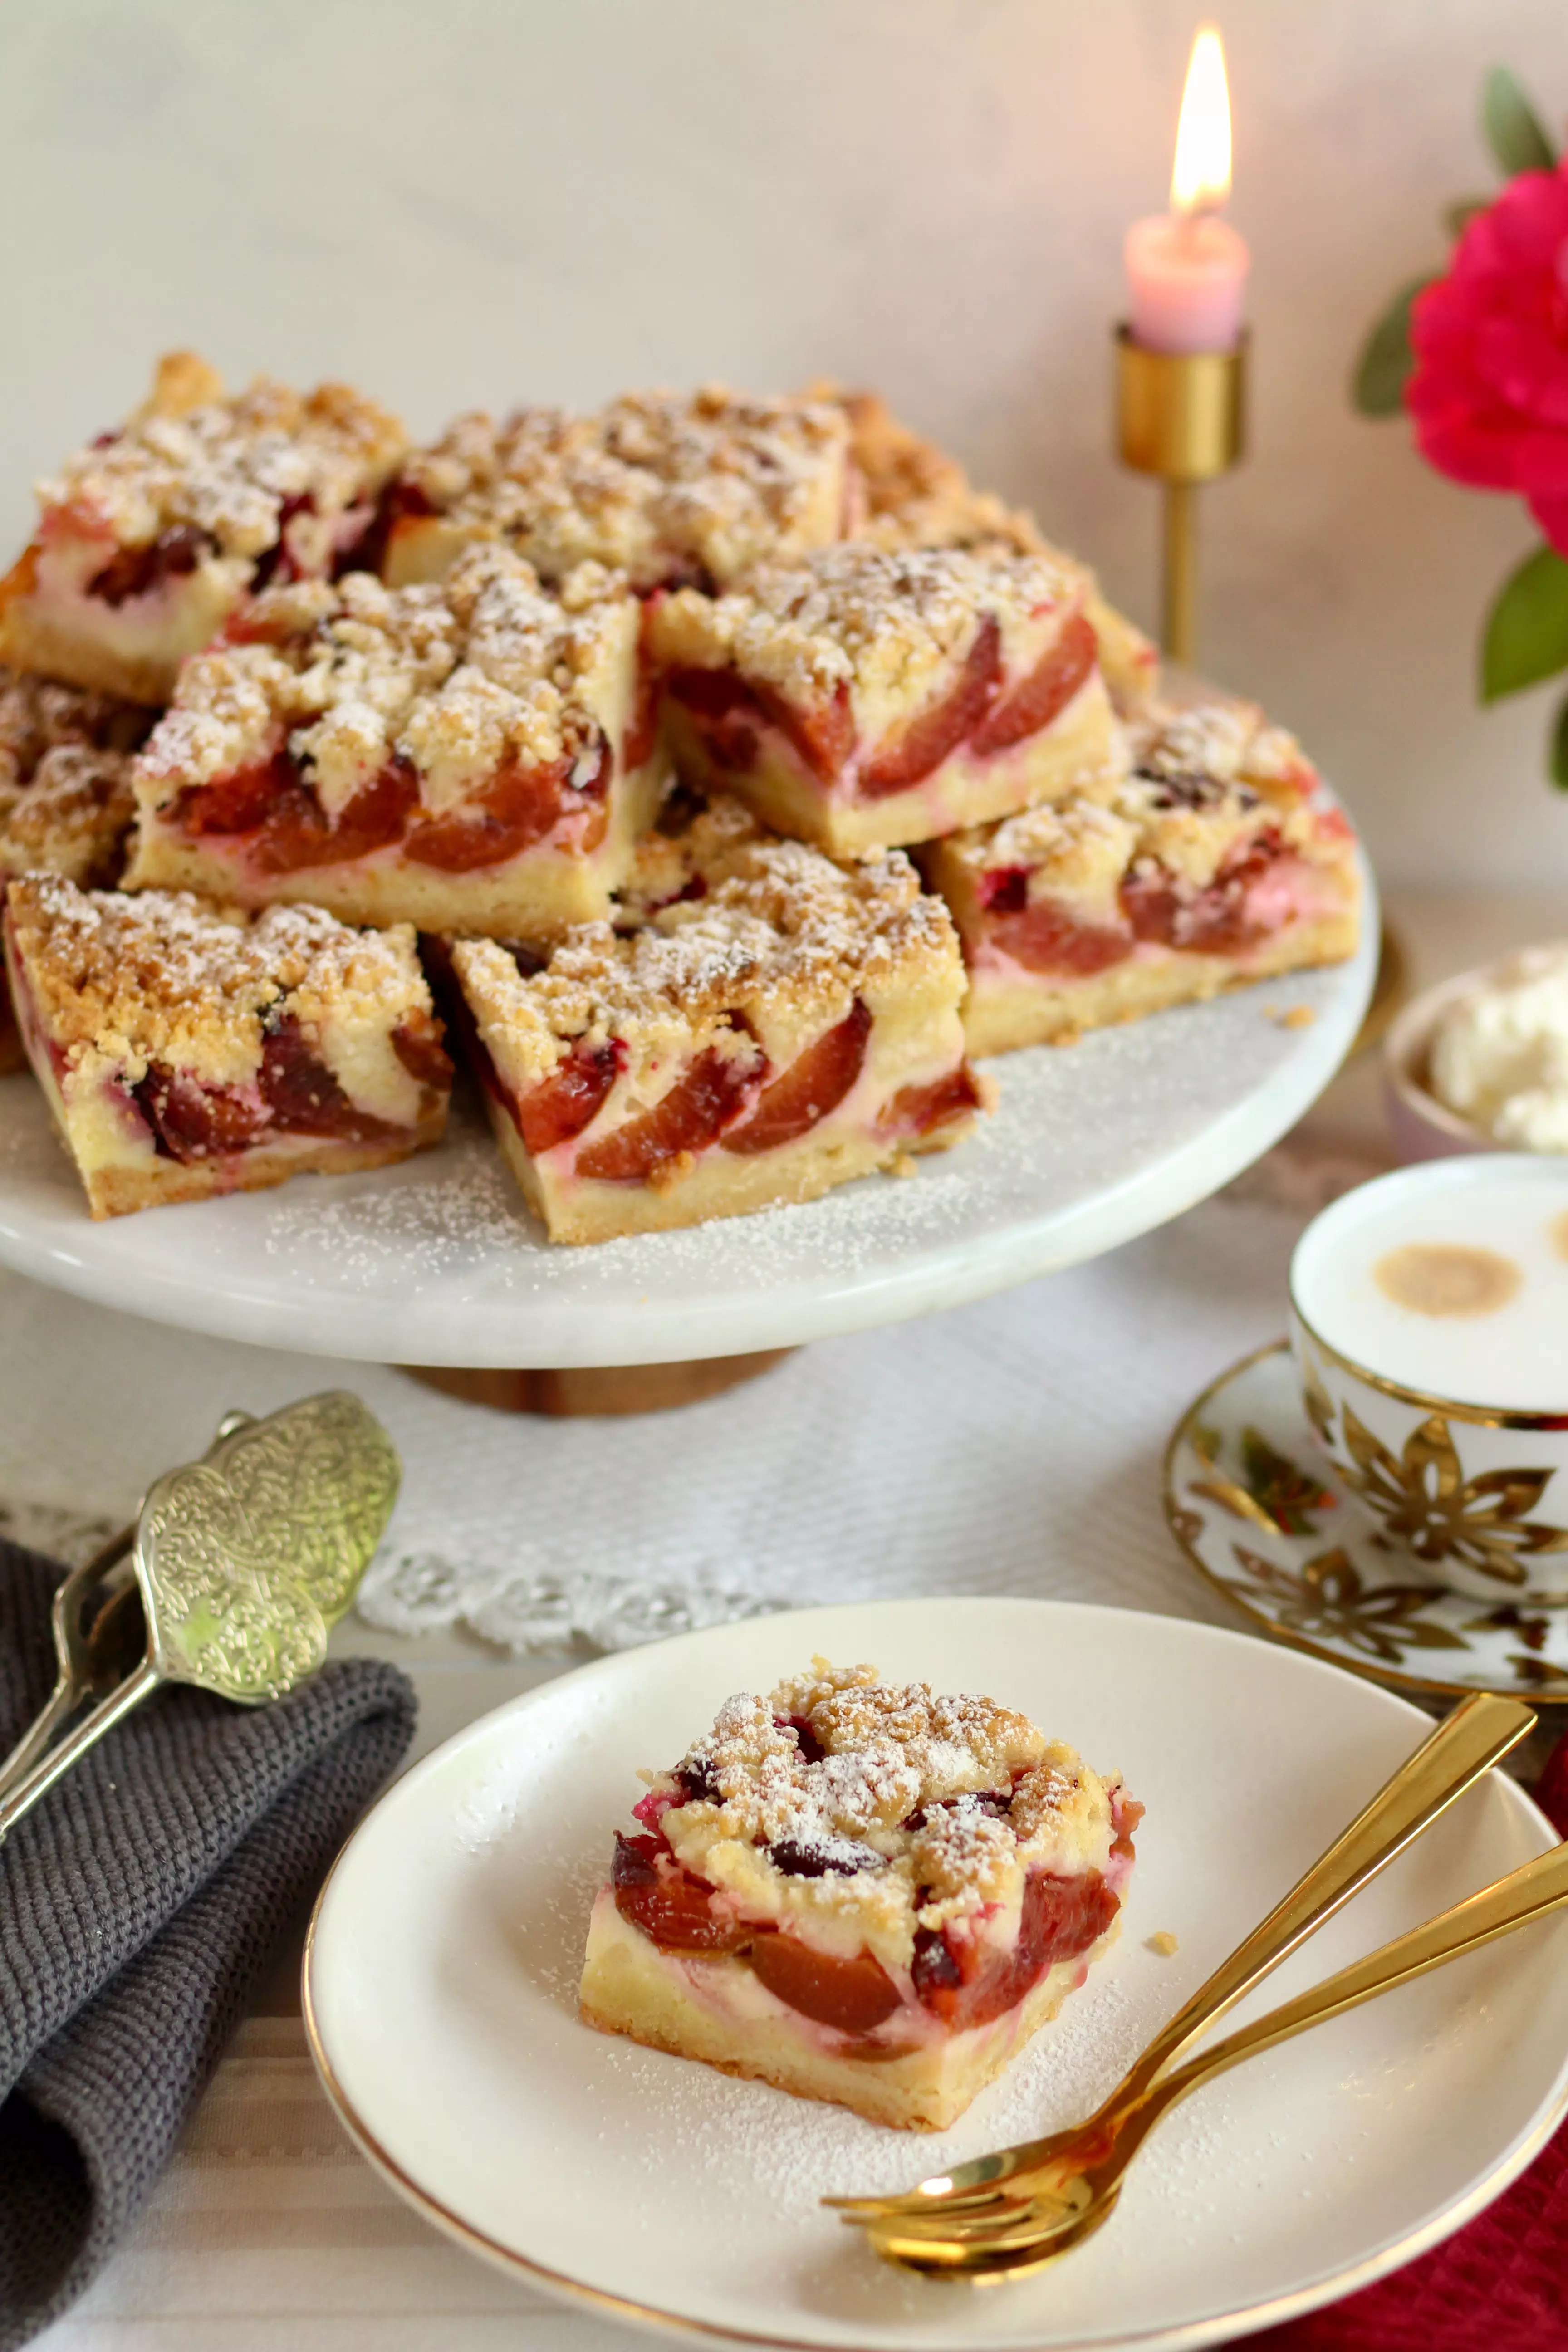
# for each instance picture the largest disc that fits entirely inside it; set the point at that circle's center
(915, 494)
(1217, 861)
(862, 1891)
(791, 1024)
(864, 698)
(154, 534)
(65, 793)
(187, 1049)
(662, 486)
(469, 756)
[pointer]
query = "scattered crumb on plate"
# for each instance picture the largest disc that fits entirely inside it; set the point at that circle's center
(1291, 1016)
(1165, 1943)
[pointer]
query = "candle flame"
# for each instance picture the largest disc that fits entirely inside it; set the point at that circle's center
(1200, 182)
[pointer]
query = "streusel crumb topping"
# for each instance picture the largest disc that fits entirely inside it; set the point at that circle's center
(887, 623)
(898, 468)
(783, 934)
(37, 715)
(1223, 741)
(71, 817)
(655, 483)
(916, 495)
(675, 857)
(226, 463)
(1194, 795)
(122, 980)
(66, 800)
(862, 1810)
(456, 678)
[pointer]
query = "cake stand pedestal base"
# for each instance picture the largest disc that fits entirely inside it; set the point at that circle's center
(590, 1390)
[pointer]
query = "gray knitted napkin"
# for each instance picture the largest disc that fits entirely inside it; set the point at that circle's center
(140, 1902)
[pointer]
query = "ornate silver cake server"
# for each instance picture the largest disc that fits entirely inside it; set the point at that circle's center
(243, 1561)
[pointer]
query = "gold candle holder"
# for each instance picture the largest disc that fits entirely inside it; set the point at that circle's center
(1181, 415)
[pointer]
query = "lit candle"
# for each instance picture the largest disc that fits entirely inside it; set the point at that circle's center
(1187, 268)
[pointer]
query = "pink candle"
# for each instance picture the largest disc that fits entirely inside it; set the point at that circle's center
(1185, 273)
(1186, 270)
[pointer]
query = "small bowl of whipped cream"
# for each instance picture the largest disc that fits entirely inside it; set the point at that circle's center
(1481, 1062)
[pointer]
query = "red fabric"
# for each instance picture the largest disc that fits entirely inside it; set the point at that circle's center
(1489, 393)
(1501, 2286)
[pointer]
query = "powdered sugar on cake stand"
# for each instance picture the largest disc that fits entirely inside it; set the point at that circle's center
(438, 1262)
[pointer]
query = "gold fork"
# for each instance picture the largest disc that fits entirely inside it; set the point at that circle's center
(1472, 1739)
(1067, 2204)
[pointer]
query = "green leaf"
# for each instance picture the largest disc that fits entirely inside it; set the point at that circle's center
(1527, 629)
(1512, 128)
(1387, 362)
(1557, 766)
(1457, 216)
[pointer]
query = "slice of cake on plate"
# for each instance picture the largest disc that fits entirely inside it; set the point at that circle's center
(473, 755)
(154, 533)
(188, 1049)
(789, 1026)
(65, 793)
(662, 486)
(1220, 860)
(864, 698)
(861, 1892)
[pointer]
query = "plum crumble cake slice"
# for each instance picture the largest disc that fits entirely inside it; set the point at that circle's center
(468, 756)
(1217, 861)
(916, 495)
(865, 697)
(187, 1049)
(662, 486)
(65, 793)
(860, 1892)
(793, 1026)
(151, 535)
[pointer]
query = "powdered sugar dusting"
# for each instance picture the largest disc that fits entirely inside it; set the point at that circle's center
(871, 1811)
(166, 973)
(225, 464)
(655, 482)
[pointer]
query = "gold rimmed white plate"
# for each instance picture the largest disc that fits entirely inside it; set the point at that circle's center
(1263, 1518)
(441, 1977)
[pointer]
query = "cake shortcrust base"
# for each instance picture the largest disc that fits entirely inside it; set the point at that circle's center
(719, 1184)
(117, 1191)
(28, 640)
(1001, 1015)
(679, 2005)
(31, 638)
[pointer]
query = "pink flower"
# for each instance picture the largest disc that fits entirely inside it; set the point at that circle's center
(1489, 394)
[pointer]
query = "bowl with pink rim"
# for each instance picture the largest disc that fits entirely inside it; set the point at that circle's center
(1508, 1055)
(1422, 1126)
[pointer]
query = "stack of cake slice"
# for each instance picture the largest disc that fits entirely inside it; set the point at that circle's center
(738, 763)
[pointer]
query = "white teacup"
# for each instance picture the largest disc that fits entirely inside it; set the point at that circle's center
(1429, 1321)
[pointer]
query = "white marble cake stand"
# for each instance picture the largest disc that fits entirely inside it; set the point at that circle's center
(435, 1263)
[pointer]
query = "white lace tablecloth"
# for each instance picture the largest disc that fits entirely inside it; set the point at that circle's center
(1009, 1447)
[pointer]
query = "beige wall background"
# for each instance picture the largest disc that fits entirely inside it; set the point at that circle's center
(460, 202)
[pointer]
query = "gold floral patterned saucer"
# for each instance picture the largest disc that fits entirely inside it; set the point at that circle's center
(1261, 1516)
